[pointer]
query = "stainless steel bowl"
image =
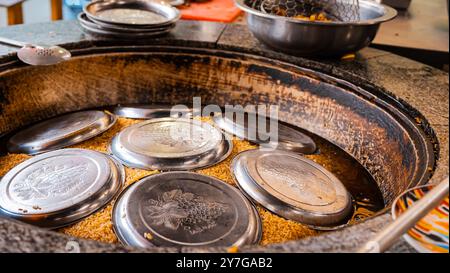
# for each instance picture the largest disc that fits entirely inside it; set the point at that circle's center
(300, 37)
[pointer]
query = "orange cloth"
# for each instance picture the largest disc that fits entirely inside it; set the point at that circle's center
(214, 10)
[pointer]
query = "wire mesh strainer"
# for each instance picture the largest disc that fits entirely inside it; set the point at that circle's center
(322, 10)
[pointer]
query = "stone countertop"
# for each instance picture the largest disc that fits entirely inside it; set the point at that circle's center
(424, 88)
(423, 26)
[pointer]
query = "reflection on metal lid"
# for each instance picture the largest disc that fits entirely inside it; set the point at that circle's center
(58, 188)
(171, 144)
(260, 130)
(151, 111)
(136, 13)
(60, 132)
(184, 209)
(292, 186)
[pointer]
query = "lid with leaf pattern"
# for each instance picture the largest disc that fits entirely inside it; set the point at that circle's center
(292, 186)
(184, 209)
(171, 144)
(60, 132)
(58, 188)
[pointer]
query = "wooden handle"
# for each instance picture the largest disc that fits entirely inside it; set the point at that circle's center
(15, 15)
(57, 9)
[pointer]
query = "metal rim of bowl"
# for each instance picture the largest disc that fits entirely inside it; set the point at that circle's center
(86, 10)
(418, 245)
(389, 14)
(393, 212)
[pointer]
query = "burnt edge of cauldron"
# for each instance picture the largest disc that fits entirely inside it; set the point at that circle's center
(379, 92)
(90, 47)
(375, 91)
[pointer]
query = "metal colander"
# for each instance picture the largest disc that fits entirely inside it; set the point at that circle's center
(322, 10)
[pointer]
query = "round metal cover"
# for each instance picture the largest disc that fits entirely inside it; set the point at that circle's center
(136, 13)
(60, 132)
(151, 111)
(118, 29)
(98, 31)
(184, 209)
(58, 188)
(258, 234)
(292, 186)
(171, 144)
(289, 138)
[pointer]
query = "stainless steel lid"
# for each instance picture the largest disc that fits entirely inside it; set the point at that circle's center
(177, 3)
(84, 20)
(151, 111)
(60, 132)
(292, 186)
(288, 138)
(120, 32)
(136, 13)
(58, 188)
(184, 209)
(171, 144)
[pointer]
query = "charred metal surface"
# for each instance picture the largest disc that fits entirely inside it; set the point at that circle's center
(384, 143)
(368, 107)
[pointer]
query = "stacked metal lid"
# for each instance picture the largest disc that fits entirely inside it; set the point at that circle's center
(131, 19)
(266, 132)
(292, 186)
(60, 132)
(171, 144)
(184, 209)
(58, 188)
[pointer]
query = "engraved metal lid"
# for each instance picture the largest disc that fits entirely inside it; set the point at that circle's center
(58, 188)
(151, 111)
(288, 137)
(184, 209)
(171, 144)
(60, 132)
(292, 186)
(135, 13)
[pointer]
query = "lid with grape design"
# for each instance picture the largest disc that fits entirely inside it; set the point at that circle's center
(58, 188)
(184, 209)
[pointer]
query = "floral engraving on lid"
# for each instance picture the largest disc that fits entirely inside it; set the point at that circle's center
(193, 213)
